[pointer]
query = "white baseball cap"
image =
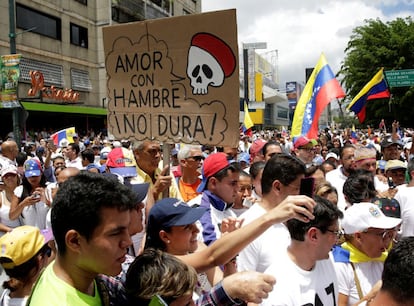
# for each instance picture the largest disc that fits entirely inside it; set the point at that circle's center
(361, 216)
(331, 154)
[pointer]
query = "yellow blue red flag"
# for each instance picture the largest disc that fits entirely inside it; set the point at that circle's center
(63, 134)
(321, 88)
(375, 89)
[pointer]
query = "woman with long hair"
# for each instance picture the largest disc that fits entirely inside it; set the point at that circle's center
(29, 200)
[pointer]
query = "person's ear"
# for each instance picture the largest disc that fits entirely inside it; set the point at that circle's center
(73, 240)
(164, 236)
(312, 234)
(276, 185)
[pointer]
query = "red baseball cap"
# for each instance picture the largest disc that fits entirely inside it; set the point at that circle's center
(303, 141)
(212, 164)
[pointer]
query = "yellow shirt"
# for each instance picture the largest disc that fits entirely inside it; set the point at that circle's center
(52, 291)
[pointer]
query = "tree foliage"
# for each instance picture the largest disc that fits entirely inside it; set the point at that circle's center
(375, 45)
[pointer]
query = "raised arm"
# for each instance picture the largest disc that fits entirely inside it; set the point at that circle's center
(228, 246)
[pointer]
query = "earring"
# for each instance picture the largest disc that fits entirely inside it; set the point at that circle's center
(168, 241)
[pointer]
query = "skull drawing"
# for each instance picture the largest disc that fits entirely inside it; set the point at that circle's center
(210, 61)
(203, 70)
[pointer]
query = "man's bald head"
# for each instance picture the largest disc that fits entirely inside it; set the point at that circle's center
(9, 149)
(67, 173)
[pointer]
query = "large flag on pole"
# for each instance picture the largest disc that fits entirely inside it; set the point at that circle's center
(321, 88)
(375, 89)
(247, 121)
(66, 134)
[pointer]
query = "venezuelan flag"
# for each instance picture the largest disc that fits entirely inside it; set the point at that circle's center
(247, 122)
(320, 89)
(63, 134)
(375, 89)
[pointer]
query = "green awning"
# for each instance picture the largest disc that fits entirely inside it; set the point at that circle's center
(55, 108)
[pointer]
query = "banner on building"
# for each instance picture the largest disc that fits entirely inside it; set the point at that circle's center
(174, 79)
(10, 74)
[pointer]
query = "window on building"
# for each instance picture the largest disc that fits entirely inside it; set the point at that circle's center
(282, 112)
(84, 2)
(52, 73)
(78, 35)
(80, 80)
(38, 22)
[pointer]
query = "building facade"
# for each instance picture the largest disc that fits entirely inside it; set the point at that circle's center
(63, 41)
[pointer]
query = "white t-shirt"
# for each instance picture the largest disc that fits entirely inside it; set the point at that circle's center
(337, 180)
(296, 287)
(34, 215)
(76, 163)
(6, 300)
(368, 273)
(260, 253)
(405, 196)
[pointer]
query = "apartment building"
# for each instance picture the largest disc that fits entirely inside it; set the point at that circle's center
(62, 39)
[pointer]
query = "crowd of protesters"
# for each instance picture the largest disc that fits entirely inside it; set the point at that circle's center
(102, 221)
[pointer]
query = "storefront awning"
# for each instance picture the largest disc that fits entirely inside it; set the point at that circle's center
(55, 108)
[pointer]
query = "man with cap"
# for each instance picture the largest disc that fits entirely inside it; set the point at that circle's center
(390, 148)
(24, 253)
(365, 158)
(395, 171)
(255, 150)
(219, 189)
(304, 149)
(359, 261)
(121, 161)
(332, 157)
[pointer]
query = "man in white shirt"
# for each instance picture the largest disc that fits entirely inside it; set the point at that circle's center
(281, 177)
(72, 155)
(338, 176)
(304, 272)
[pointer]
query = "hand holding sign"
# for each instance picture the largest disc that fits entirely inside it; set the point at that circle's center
(162, 182)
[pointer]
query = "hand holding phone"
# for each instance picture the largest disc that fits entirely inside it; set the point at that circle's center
(307, 185)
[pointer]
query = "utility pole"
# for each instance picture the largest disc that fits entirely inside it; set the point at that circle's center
(12, 36)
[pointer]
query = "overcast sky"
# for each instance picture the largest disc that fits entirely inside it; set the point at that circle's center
(302, 29)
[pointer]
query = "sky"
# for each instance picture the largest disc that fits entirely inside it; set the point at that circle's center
(300, 30)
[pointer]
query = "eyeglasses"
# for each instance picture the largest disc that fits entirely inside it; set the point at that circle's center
(389, 234)
(338, 233)
(196, 158)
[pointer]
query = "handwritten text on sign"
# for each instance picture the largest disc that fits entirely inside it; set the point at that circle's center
(148, 99)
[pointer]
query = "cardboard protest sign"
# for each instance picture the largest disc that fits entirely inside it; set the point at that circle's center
(174, 79)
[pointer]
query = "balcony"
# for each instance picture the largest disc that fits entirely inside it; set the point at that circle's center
(138, 10)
